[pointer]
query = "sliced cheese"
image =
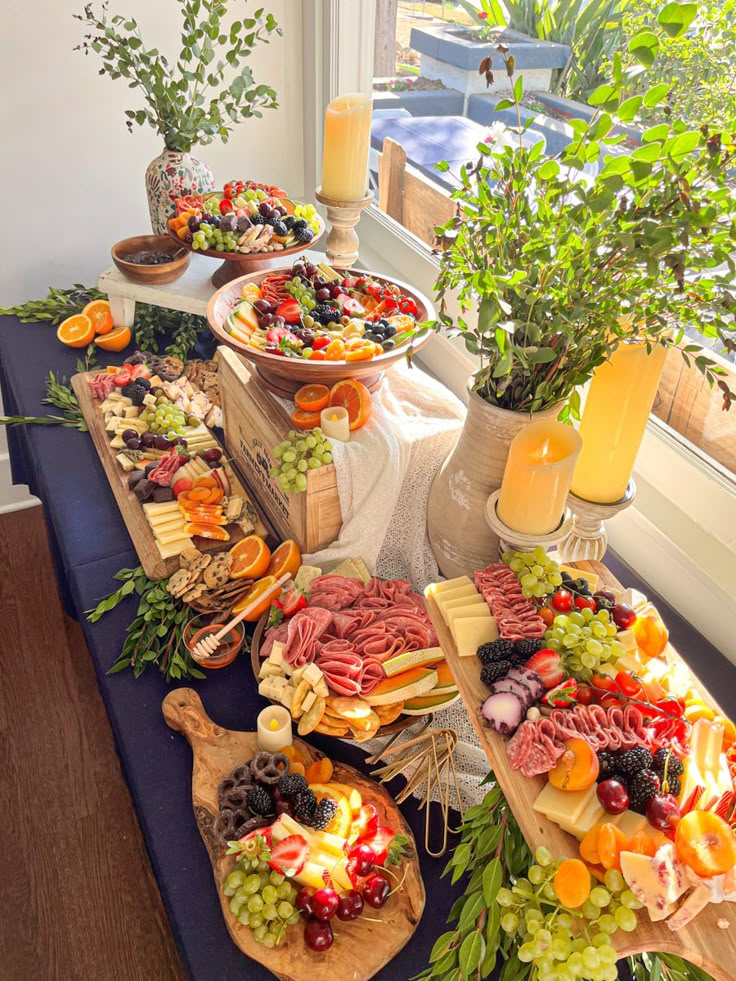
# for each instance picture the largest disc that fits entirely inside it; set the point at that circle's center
(305, 575)
(657, 882)
(629, 822)
(352, 569)
(309, 700)
(312, 675)
(590, 815)
(456, 593)
(563, 805)
(466, 611)
(287, 696)
(269, 670)
(117, 442)
(174, 548)
(167, 537)
(470, 633)
(438, 588)
(161, 508)
(276, 655)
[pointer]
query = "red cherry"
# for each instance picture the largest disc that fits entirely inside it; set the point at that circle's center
(375, 891)
(623, 616)
(663, 812)
(362, 859)
(324, 903)
(613, 796)
(562, 601)
(350, 906)
(318, 935)
(303, 902)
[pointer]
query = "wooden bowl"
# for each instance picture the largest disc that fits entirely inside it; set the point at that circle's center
(157, 275)
(237, 264)
(403, 721)
(285, 376)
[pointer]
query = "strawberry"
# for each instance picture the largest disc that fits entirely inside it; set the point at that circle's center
(292, 601)
(289, 855)
(548, 665)
(380, 843)
(290, 310)
(139, 371)
(276, 334)
(563, 695)
(181, 485)
(365, 825)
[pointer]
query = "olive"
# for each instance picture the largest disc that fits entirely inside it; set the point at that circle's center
(388, 345)
(133, 443)
(148, 439)
(129, 434)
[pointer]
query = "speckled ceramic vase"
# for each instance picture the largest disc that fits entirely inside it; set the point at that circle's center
(172, 175)
(458, 532)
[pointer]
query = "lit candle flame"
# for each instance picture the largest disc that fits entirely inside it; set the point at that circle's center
(273, 725)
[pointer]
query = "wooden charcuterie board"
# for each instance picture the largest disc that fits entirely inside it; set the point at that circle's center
(363, 946)
(703, 942)
(154, 566)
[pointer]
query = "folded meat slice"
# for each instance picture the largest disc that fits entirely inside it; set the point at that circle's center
(303, 633)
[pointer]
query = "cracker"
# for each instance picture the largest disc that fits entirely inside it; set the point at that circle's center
(348, 707)
(361, 736)
(302, 690)
(312, 718)
(326, 730)
(194, 593)
(388, 713)
(179, 582)
(371, 723)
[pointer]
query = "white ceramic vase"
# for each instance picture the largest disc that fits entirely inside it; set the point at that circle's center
(459, 534)
(172, 175)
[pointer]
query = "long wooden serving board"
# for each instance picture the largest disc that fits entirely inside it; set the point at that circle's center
(154, 566)
(363, 946)
(703, 942)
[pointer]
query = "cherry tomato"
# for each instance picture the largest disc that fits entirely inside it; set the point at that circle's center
(228, 191)
(629, 686)
(586, 695)
(603, 683)
(407, 305)
(226, 206)
(320, 342)
(547, 616)
(610, 701)
(671, 706)
(585, 603)
(562, 601)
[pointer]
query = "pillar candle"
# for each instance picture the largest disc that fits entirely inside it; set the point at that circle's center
(274, 729)
(335, 423)
(537, 477)
(345, 150)
(615, 416)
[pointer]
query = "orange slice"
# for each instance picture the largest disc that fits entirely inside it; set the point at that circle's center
(304, 420)
(286, 558)
(207, 531)
(77, 331)
(356, 398)
(257, 590)
(251, 558)
(116, 340)
(100, 314)
(312, 398)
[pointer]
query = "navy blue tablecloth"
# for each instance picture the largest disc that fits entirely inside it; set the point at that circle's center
(89, 544)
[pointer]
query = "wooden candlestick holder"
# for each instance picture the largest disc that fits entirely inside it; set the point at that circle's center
(588, 538)
(515, 541)
(342, 239)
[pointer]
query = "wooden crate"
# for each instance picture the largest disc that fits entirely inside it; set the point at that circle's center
(255, 421)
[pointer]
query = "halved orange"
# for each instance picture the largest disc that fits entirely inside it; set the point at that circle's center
(207, 531)
(286, 558)
(304, 420)
(116, 340)
(312, 398)
(100, 314)
(356, 398)
(263, 588)
(251, 557)
(77, 331)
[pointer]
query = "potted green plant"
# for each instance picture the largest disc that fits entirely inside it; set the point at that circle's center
(199, 98)
(552, 271)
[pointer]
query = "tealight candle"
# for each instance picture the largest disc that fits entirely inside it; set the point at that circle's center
(335, 423)
(537, 477)
(274, 729)
(346, 145)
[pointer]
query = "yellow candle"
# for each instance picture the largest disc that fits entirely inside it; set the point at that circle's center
(335, 423)
(537, 477)
(615, 416)
(345, 150)
(274, 729)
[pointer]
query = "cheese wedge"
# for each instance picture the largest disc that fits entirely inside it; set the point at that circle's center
(471, 632)
(591, 814)
(563, 805)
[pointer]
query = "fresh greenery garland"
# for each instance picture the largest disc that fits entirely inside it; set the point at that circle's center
(56, 306)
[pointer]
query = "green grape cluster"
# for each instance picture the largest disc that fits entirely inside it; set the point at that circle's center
(300, 452)
(262, 899)
(309, 213)
(164, 418)
(566, 944)
(538, 574)
(209, 237)
(584, 640)
(301, 291)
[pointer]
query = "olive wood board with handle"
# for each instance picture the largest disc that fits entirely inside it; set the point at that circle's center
(363, 946)
(702, 942)
(154, 566)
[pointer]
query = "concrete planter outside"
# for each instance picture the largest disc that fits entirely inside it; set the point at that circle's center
(446, 54)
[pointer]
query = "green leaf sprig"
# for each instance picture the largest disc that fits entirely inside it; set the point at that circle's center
(155, 636)
(60, 395)
(152, 323)
(56, 306)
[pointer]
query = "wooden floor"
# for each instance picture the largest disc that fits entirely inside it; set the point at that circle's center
(78, 901)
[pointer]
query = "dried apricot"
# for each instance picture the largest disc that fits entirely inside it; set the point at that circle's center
(572, 883)
(320, 771)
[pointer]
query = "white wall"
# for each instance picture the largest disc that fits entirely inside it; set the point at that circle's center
(68, 155)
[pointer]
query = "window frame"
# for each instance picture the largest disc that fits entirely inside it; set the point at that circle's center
(680, 534)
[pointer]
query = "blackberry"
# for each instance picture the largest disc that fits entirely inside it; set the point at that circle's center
(279, 228)
(259, 802)
(292, 784)
(494, 672)
(257, 220)
(624, 781)
(299, 223)
(673, 762)
(303, 235)
(631, 761)
(642, 787)
(523, 649)
(323, 313)
(671, 785)
(497, 650)
(303, 806)
(289, 221)
(606, 765)
(324, 812)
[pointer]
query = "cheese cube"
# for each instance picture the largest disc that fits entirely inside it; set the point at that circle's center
(296, 675)
(312, 675)
(321, 688)
(563, 805)
(438, 588)
(287, 696)
(471, 632)
(277, 653)
(269, 670)
(117, 442)
(629, 822)
(149, 399)
(309, 700)
(465, 611)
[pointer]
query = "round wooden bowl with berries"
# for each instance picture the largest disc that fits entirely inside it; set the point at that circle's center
(285, 375)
